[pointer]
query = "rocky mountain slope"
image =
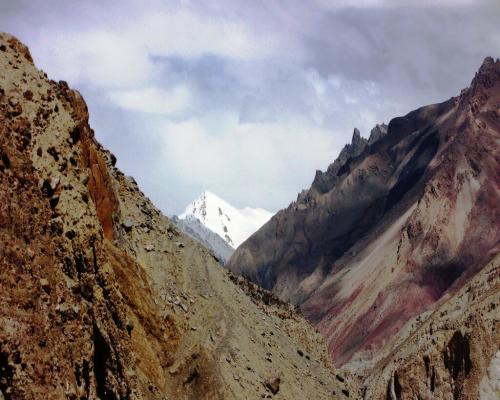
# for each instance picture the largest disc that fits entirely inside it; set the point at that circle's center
(392, 252)
(102, 297)
(232, 224)
(192, 227)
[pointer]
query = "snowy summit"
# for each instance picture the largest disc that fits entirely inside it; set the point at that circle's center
(232, 224)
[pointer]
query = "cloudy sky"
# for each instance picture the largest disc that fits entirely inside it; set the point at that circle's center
(248, 98)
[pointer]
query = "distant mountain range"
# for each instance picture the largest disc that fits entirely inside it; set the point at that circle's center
(218, 225)
(233, 224)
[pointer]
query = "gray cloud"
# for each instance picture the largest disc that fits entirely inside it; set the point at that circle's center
(247, 99)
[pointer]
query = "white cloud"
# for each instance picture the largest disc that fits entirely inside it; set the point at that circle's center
(97, 57)
(393, 3)
(251, 163)
(153, 100)
(121, 54)
(184, 33)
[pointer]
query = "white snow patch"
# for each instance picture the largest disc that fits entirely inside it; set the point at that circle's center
(232, 224)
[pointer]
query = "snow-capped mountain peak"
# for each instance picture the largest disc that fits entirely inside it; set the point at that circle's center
(232, 224)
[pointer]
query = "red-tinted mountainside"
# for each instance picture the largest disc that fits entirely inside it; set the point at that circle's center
(394, 230)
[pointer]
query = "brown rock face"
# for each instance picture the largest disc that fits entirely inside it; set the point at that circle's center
(101, 296)
(99, 186)
(390, 233)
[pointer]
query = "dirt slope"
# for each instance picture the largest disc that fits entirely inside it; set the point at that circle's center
(102, 297)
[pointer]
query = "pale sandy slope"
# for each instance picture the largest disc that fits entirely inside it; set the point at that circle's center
(225, 335)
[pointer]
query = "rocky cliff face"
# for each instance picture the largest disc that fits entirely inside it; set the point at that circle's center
(102, 297)
(387, 253)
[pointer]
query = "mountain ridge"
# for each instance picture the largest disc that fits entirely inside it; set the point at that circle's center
(389, 232)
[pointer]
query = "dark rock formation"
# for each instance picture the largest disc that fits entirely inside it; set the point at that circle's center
(377, 133)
